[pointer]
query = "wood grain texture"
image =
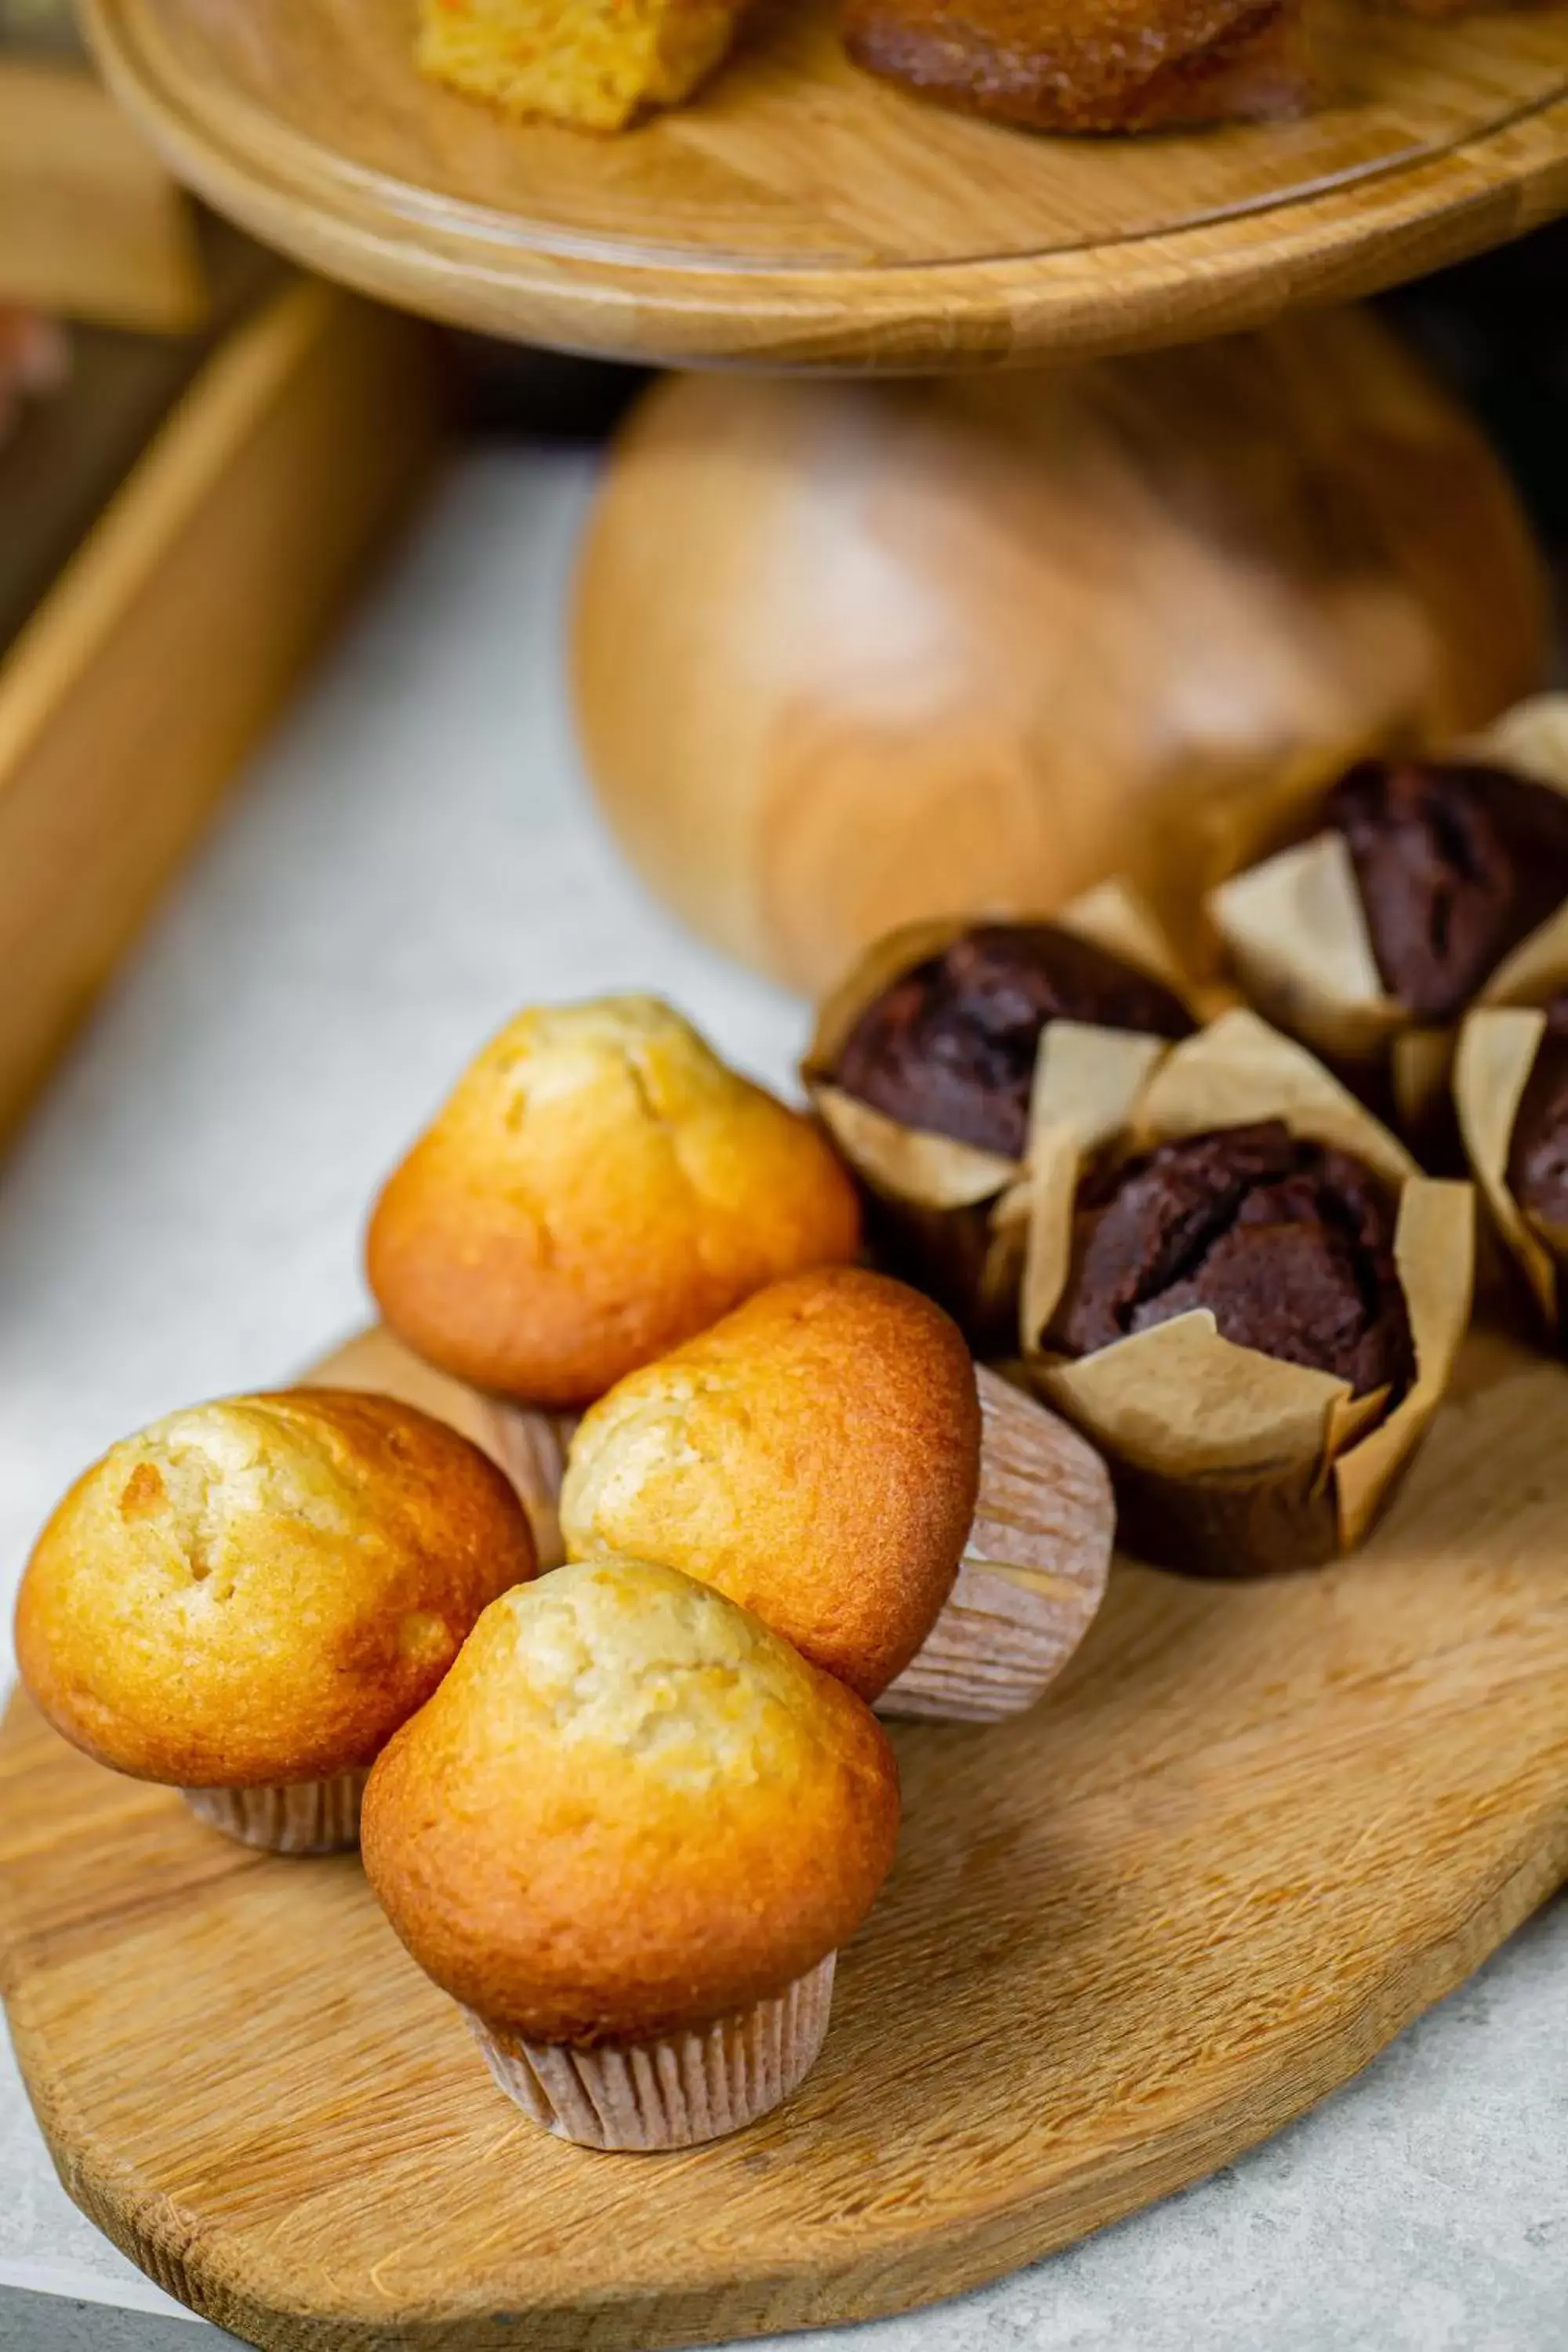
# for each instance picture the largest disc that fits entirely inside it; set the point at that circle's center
(801, 213)
(92, 225)
(1252, 1832)
(850, 654)
(176, 632)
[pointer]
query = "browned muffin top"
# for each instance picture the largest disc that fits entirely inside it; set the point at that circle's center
(629, 1810)
(1455, 862)
(950, 1046)
(1288, 1244)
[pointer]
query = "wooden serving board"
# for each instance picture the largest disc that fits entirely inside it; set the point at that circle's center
(1254, 1831)
(799, 212)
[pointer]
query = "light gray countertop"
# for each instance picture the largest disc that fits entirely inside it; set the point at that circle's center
(414, 855)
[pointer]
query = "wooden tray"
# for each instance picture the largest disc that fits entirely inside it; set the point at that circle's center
(802, 212)
(1255, 1831)
(183, 620)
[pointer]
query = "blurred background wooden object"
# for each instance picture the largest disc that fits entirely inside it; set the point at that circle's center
(846, 654)
(178, 629)
(92, 225)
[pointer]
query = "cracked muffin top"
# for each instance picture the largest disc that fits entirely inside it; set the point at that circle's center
(1288, 1243)
(599, 1187)
(259, 1591)
(1456, 864)
(950, 1046)
(629, 1809)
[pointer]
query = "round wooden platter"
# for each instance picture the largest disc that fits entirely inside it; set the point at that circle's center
(799, 213)
(1254, 1831)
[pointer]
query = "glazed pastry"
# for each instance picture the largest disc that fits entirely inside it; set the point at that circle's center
(1421, 888)
(1093, 65)
(828, 1457)
(950, 1046)
(599, 1188)
(628, 1834)
(816, 1456)
(246, 1601)
(1256, 1309)
(596, 64)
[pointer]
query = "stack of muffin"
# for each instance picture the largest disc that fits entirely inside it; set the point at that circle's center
(610, 1749)
(624, 1811)
(1039, 64)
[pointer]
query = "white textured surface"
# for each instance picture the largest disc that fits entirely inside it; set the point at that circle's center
(413, 858)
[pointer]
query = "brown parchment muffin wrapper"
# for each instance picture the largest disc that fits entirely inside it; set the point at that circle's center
(310, 1817)
(676, 2091)
(956, 1221)
(1228, 1462)
(1296, 939)
(1033, 1574)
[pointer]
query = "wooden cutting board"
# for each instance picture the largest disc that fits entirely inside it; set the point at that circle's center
(1253, 1833)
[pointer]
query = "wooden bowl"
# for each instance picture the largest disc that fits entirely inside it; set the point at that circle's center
(847, 654)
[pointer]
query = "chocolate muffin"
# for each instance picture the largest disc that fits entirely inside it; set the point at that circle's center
(1455, 862)
(950, 1046)
(1538, 1155)
(1288, 1244)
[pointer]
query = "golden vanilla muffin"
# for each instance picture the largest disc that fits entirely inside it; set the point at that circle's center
(628, 1834)
(596, 64)
(599, 1187)
(816, 1456)
(247, 1600)
(1094, 64)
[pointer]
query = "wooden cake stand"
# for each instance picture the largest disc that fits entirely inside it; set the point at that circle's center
(801, 213)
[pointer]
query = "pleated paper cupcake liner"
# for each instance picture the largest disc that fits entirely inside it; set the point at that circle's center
(676, 2091)
(311, 1817)
(1033, 1573)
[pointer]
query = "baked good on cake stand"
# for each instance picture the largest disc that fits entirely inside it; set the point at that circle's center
(800, 212)
(849, 656)
(1366, 576)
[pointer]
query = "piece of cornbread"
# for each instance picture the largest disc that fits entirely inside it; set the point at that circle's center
(594, 63)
